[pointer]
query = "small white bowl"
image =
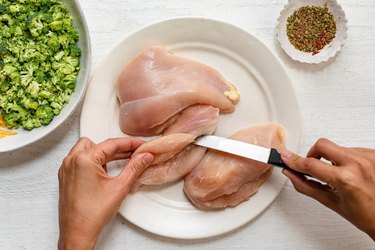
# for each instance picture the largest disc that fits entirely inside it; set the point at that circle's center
(331, 49)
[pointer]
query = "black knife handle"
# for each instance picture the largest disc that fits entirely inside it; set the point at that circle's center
(275, 159)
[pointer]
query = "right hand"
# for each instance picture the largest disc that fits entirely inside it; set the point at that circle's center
(350, 180)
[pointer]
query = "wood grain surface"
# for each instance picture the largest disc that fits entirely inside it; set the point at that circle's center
(336, 100)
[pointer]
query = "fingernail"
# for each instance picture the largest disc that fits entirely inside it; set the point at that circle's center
(147, 158)
(286, 153)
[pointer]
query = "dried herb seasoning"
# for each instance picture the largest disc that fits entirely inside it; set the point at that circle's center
(310, 28)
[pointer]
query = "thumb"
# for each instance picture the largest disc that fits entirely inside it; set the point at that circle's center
(133, 169)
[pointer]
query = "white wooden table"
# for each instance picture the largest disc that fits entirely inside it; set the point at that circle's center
(336, 100)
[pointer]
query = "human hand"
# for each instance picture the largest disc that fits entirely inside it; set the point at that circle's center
(88, 197)
(350, 180)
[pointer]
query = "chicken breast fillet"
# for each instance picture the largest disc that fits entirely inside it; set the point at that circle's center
(174, 156)
(222, 180)
(156, 85)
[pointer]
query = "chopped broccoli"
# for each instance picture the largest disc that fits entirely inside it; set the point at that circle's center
(14, 8)
(39, 61)
(75, 51)
(31, 123)
(29, 103)
(45, 114)
(3, 7)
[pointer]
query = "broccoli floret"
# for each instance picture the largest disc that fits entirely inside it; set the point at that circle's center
(74, 50)
(45, 94)
(58, 12)
(8, 69)
(53, 43)
(64, 40)
(56, 107)
(29, 104)
(67, 22)
(4, 86)
(72, 61)
(4, 8)
(45, 114)
(14, 115)
(40, 76)
(31, 123)
(56, 25)
(6, 31)
(33, 89)
(14, 8)
(59, 55)
(35, 24)
(6, 18)
(12, 120)
(39, 61)
(3, 49)
(73, 35)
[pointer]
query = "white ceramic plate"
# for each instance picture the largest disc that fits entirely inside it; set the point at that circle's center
(266, 96)
(24, 137)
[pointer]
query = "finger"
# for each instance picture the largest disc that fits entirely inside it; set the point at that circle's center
(314, 167)
(329, 151)
(122, 156)
(133, 169)
(313, 189)
(113, 149)
(119, 156)
(83, 143)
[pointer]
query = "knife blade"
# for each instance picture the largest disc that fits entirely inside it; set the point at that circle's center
(243, 149)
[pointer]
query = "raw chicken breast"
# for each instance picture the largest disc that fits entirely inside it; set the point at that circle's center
(166, 147)
(156, 85)
(174, 156)
(222, 180)
(172, 170)
(196, 120)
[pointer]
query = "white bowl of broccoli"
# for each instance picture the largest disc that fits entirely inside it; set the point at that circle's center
(44, 67)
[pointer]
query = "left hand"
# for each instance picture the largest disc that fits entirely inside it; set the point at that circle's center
(89, 198)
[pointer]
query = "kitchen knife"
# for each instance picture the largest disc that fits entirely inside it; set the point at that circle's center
(250, 151)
